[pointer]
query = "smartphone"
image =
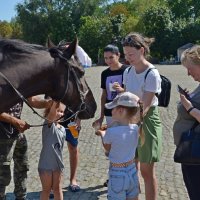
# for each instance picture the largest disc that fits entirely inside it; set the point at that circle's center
(182, 91)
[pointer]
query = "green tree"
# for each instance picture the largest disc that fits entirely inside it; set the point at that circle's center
(191, 31)
(56, 18)
(138, 7)
(132, 24)
(17, 29)
(94, 35)
(185, 8)
(5, 29)
(158, 23)
(33, 19)
(119, 8)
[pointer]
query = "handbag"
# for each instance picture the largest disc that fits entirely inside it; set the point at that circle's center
(188, 149)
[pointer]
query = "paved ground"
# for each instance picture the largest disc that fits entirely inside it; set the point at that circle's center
(92, 171)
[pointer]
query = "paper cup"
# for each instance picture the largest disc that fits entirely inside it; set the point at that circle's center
(111, 87)
(72, 127)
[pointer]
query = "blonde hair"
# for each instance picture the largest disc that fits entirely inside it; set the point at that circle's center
(137, 40)
(131, 111)
(191, 55)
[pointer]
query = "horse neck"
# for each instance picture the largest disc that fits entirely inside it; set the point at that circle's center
(30, 81)
(41, 83)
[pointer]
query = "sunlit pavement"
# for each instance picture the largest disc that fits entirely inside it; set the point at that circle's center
(93, 165)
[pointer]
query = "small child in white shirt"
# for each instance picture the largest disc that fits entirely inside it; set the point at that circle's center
(121, 142)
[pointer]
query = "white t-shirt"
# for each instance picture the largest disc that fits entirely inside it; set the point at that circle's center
(123, 140)
(136, 83)
(83, 57)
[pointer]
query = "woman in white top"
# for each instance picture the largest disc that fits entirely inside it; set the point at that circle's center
(136, 48)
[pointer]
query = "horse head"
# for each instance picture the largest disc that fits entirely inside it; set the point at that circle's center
(74, 90)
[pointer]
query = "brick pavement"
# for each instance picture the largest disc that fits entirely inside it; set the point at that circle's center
(92, 170)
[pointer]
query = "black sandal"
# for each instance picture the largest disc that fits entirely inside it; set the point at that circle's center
(106, 183)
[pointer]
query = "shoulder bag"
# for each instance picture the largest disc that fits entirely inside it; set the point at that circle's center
(188, 150)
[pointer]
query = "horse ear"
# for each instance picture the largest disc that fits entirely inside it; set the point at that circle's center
(55, 52)
(49, 43)
(71, 49)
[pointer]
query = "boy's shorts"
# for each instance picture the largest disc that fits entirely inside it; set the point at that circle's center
(70, 138)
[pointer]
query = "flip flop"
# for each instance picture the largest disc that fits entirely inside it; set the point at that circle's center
(106, 183)
(74, 188)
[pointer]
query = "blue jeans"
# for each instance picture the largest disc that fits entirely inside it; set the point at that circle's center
(123, 183)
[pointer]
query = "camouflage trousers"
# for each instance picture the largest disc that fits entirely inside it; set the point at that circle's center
(16, 149)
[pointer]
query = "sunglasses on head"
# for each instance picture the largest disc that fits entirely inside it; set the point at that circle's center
(127, 40)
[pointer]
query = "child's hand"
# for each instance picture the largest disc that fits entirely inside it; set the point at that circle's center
(78, 123)
(104, 127)
(20, 125)
(117, 87)
(100, 133)
(97, 124)
(186, 103)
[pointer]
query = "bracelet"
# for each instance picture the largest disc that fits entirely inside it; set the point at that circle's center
(190, 109)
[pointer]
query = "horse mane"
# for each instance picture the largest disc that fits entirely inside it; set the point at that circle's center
(13, 47)
(8, 46)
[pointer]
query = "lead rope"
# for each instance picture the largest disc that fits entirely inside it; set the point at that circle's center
(34, 111)
(22, 97)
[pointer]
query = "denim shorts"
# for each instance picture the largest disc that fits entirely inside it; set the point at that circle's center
(123, 183)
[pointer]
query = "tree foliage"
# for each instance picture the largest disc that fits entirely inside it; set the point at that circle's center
(158, 24)
(5, 29)
(99, 22)
(94, 35)
(170, 30)
(16, 29)
(119, 8)
(138, 7)
(57, 18)
(184, 8)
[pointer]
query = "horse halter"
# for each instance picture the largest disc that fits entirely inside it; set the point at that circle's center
(82, 106)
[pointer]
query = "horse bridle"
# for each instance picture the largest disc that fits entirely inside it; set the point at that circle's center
(82, 105)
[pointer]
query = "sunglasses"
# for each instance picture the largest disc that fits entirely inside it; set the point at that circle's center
(129, 41)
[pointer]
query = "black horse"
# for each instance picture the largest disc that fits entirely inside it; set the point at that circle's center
(33, 69)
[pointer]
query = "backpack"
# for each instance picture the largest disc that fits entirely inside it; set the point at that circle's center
(164, 96)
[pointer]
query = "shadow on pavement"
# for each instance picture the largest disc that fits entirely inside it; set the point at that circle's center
(87, 193)
(30, 196)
